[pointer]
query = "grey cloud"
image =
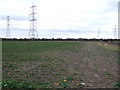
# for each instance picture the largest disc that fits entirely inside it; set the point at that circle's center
(16, 18)
(19, 18)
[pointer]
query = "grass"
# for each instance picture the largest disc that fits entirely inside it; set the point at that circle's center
(26, 65)
(110, 47)
(22, 51)
(35, 46)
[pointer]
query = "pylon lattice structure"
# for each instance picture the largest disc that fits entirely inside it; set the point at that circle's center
(33, 29)
(8, 27)
(115, 31)
(98, 33)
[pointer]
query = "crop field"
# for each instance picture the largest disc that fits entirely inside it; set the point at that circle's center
(59, 64)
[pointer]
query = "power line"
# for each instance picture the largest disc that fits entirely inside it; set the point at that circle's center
(33, 32)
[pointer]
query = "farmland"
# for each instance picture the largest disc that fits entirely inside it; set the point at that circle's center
(59, 64)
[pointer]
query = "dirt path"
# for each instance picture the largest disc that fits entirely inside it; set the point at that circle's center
(97, 65)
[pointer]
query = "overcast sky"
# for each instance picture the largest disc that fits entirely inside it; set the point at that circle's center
(60, 18)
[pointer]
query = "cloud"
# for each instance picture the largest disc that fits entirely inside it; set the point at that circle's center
(16, 18)
(62, 16)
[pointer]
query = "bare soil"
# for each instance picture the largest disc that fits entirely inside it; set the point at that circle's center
(91, 64)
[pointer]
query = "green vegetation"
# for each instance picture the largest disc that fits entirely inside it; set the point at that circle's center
(117, 85)
(108, 74)
(110, 47)
(96, 70)
(36, 46)
(8, 84)
(29, 65)
(55, 64)
(30, 51)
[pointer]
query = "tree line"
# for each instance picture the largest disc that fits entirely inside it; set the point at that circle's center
(58, 39)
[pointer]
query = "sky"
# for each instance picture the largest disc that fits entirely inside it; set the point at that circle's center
(60, 18)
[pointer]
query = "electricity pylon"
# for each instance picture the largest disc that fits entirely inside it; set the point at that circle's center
(33, 32)
(8, 27)
(98, 33)
(115, 31)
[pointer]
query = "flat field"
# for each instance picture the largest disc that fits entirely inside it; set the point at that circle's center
(59, 64)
